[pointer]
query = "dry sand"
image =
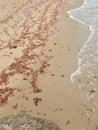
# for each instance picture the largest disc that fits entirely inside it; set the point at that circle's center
(59, 101)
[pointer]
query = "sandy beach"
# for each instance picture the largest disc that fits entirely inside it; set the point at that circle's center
(39, 46)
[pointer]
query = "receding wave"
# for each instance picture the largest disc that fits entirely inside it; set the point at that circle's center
(86, 74)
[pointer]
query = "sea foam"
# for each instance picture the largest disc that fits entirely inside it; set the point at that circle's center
(87, 72)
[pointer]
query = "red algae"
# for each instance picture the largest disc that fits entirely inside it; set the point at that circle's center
(15, 106)
(68, 122)
(4, 95)
(37, 100)
(30, 27)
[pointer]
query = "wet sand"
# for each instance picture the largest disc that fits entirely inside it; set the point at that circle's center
(39, 80)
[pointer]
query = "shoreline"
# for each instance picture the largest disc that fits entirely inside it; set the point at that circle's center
(59, 101)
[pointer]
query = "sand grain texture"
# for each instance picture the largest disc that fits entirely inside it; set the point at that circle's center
(39, 46)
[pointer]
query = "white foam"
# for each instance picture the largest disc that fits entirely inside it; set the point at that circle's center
(87, 13)
(87, 69)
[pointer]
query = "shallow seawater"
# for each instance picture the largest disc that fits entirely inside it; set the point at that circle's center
(86, 74)
(40, 49)
(87, 59)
